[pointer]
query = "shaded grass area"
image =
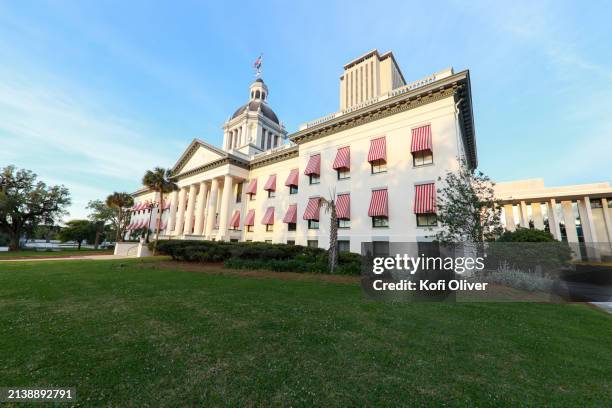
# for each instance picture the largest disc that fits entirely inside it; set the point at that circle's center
(131, 333)
(28, 253)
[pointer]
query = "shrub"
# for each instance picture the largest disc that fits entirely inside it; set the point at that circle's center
(259, 255)
(526, 235)
(514, 278)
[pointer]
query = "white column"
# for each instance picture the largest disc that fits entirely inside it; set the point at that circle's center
(212, 205)
(524, 215)
(199, 217)
(190, 206)
(224, 209)
(570, 221)
(172, 218)
(245, 134)
(509, 213)
(553, 222)
(240, 141)
(536, 212)
(607, 219)
(180, 218)
(586, 218)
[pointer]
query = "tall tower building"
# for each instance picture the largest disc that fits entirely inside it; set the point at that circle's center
(368, 77)
(254, 127)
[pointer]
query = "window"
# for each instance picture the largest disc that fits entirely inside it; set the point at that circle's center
(314, 179)
(290, 242)
(344, 223)
(271, 194)
(293, 189)
(379, 222)
(268, 241)
(251, 197)
(380, 248)
(249, 228)
(269, 227)
(312, 243)
(596, 204)
(379, 166)
(343, 174)
(422, 158)
(239, 193)
(233, 240)
(427, 220)
(344, 246)
(291, 226)
(249, 240)
(313, 224)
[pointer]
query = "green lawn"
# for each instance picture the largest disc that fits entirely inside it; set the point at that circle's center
(129, 333)
(27, 253)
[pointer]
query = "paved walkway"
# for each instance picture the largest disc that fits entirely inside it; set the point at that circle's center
(67, 258)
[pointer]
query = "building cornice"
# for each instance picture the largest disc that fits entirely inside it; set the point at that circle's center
(212, 165)
(276, 157)
(457, 85)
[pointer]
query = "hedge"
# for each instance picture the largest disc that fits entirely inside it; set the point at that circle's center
(259, 255)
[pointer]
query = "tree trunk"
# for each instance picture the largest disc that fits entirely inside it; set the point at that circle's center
(79, 245)
(158, 222)
(333, 238)
(97, 240)
(14, 241)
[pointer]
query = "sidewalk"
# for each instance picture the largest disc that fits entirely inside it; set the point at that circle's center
(68, 258)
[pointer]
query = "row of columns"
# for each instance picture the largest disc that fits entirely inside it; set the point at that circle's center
(197, 209)
(236, 137)
(586, 218)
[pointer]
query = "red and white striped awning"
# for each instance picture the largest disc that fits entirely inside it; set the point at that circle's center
(268, 218)
(140, 206)
(162, 225)
(252, 187)
(291, 214)
(343, 206)
(343, 158)
(271, 183)
(314, 165)
(292, 180)
(235, 221)
(378, 149)
(250, 218)
(312, 209)
(425, 198)
(379, 204)
(421, 139)
(130, 226)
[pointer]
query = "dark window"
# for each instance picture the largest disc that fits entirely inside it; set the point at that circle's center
(313, 224)
(271, 194)
(343, 174)
(268, 241)
(422, 158)
(293, 189)
(609, 202)
(233, 240)
(427, 220)
(249, 240)
(596, 204)
(379, 166)
(312, 243)
(269, 227)
(257, 94)
(314, 179)
(344, 223)
(380, 248)
(378, 222)
(249, 228)
(344, 246)
(239, 193)
(251, 197)
(292, 226)
(290, 242)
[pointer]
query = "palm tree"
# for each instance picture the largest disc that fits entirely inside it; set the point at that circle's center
(119, 202)
(330, 206)
(159, 181)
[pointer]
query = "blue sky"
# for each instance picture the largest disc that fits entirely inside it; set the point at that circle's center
(94, 93)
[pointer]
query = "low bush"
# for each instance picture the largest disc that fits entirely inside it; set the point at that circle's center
(517, 279)
(259, 255)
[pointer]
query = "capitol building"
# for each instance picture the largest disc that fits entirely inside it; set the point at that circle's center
(380, 156)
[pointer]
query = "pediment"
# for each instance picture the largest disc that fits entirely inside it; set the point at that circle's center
(197, 154)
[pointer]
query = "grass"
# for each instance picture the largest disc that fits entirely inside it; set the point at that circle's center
(32, 253)
(133, 333)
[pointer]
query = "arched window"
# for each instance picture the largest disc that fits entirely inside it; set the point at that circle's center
(257, 94)
(251, 94)
(263, 96)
